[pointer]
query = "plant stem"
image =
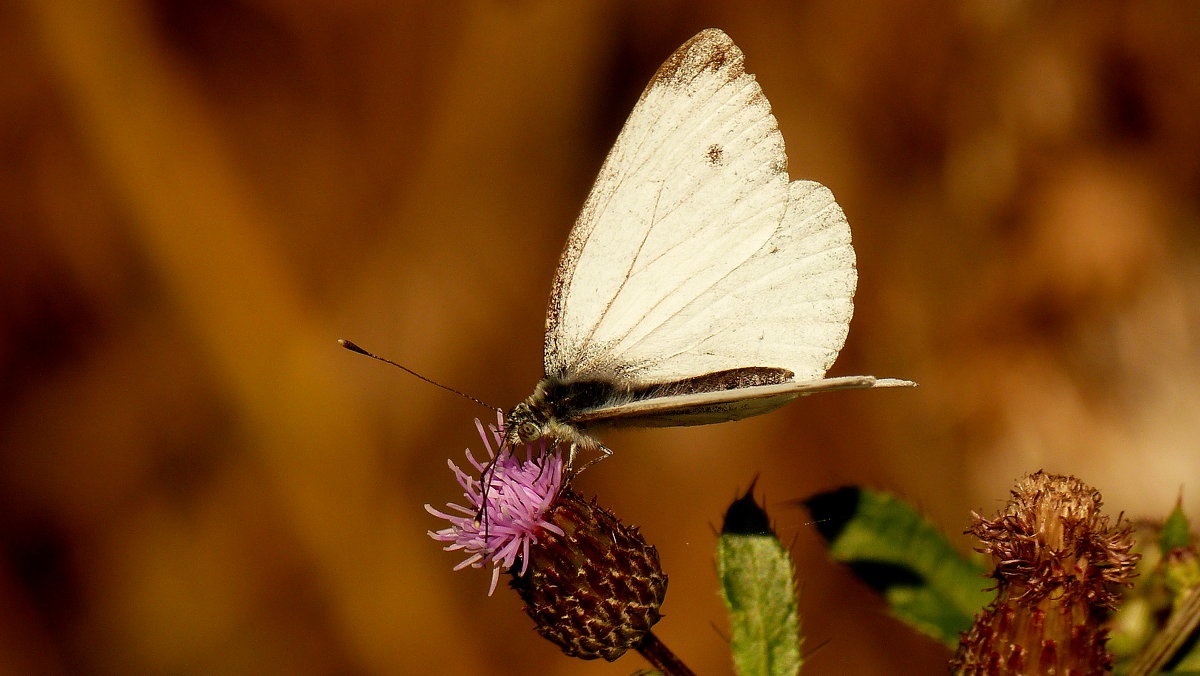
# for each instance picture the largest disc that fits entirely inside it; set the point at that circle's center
(1164, 646)
(661, 657)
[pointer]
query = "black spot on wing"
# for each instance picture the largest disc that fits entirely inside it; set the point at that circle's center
(715, 155)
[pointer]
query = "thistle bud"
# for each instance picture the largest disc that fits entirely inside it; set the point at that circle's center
(595, 590)
(1059, 564)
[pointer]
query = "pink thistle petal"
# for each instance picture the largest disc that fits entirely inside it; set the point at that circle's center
(505, 517)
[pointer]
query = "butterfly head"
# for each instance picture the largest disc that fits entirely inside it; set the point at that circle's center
(526, 422)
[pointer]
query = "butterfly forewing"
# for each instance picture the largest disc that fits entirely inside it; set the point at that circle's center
(694, 253)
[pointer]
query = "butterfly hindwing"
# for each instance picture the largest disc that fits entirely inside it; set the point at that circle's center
(705, 408)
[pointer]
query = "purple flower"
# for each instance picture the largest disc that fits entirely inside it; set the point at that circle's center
(591, 584)
(504, 516)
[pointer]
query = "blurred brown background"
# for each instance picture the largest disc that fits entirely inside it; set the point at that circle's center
(198, 197)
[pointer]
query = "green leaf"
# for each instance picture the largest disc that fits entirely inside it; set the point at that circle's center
(891, 547)
(1175, 532)
(759, 590)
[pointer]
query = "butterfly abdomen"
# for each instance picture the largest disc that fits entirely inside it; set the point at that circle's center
(566, 400)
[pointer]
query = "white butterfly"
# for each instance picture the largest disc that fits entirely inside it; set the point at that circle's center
(699, 284)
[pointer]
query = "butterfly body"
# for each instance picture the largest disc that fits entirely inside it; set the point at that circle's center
(556, 402)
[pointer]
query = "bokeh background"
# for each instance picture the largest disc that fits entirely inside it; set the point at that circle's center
(197, 198)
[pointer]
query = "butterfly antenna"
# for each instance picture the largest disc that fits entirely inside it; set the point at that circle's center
(485, 485)
(355, 348)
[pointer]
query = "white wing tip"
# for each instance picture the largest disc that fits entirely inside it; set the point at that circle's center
(893, 382)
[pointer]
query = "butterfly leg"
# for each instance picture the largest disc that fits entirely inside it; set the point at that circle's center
(604, 452)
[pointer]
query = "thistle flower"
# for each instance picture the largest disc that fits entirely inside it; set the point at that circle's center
(1059, 563)
(505, 516)
(591, 584)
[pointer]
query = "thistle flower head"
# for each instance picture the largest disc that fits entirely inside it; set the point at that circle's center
(595, 588)
(592, 584)
(506, 506)
(1058, 565)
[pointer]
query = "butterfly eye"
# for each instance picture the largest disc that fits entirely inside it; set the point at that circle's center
(528, 431)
